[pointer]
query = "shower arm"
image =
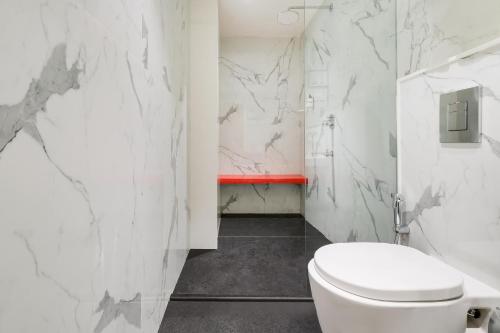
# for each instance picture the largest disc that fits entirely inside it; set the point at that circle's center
(329, 7)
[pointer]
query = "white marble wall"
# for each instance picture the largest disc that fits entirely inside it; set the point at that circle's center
(350, 59)
(261, 120)
(261, 199)
(93, 215)
(452, 189)
(430, 31)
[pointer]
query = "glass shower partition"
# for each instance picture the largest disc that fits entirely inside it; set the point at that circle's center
(350, 119)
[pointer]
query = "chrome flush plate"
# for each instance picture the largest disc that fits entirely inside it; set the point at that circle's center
(459, 116)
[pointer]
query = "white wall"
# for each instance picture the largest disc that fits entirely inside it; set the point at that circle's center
(452, 189)
(93, 218)
(431, 31)
(203, 125)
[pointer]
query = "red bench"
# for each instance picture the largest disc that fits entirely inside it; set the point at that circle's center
(262, 179)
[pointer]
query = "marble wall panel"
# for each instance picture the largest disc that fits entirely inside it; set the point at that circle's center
(262, 199)
(93, 212)
(261, 117)
(350, 146)
(429, 32)
(451, 190)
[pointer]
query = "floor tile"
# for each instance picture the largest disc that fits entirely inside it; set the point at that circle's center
(258, 256)
(262, 226)
(240, 317)
(311, 231)
(249, 266)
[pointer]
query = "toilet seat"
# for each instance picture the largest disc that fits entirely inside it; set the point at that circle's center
(388, 272)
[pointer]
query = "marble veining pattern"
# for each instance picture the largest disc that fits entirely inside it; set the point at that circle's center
(494, 144)
(54, 79)
(261, 119)
(260, 96)
(266, 199)
(451, 189)
(93, 211)
(130, 310)
(350, 147)
(429, 32)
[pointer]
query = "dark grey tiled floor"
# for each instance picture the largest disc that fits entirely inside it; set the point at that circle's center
(258, 256)
(247, 266)
(247, 263)
(240, 317)
(262, 226)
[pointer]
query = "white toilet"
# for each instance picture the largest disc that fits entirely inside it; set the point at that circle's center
(386, 288)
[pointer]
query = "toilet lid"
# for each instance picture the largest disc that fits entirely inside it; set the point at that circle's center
(387, 272)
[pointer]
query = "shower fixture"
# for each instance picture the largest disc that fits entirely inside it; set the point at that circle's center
(330, 121)
(291, 16)
(329, 7)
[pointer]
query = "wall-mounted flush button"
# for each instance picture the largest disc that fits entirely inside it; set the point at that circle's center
(459, 116)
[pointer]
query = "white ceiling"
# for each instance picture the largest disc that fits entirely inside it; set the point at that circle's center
(259, 18)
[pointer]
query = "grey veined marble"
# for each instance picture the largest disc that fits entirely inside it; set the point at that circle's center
(225, 116)
(111, 310)
(261, 120)
(451, 189)
(55, 78)
(494, 144)
(494, 326)
(350, 154)
(431, 31)
(427, 201)
(93, 159)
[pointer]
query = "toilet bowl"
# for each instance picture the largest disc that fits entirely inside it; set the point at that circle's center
(386, 288)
